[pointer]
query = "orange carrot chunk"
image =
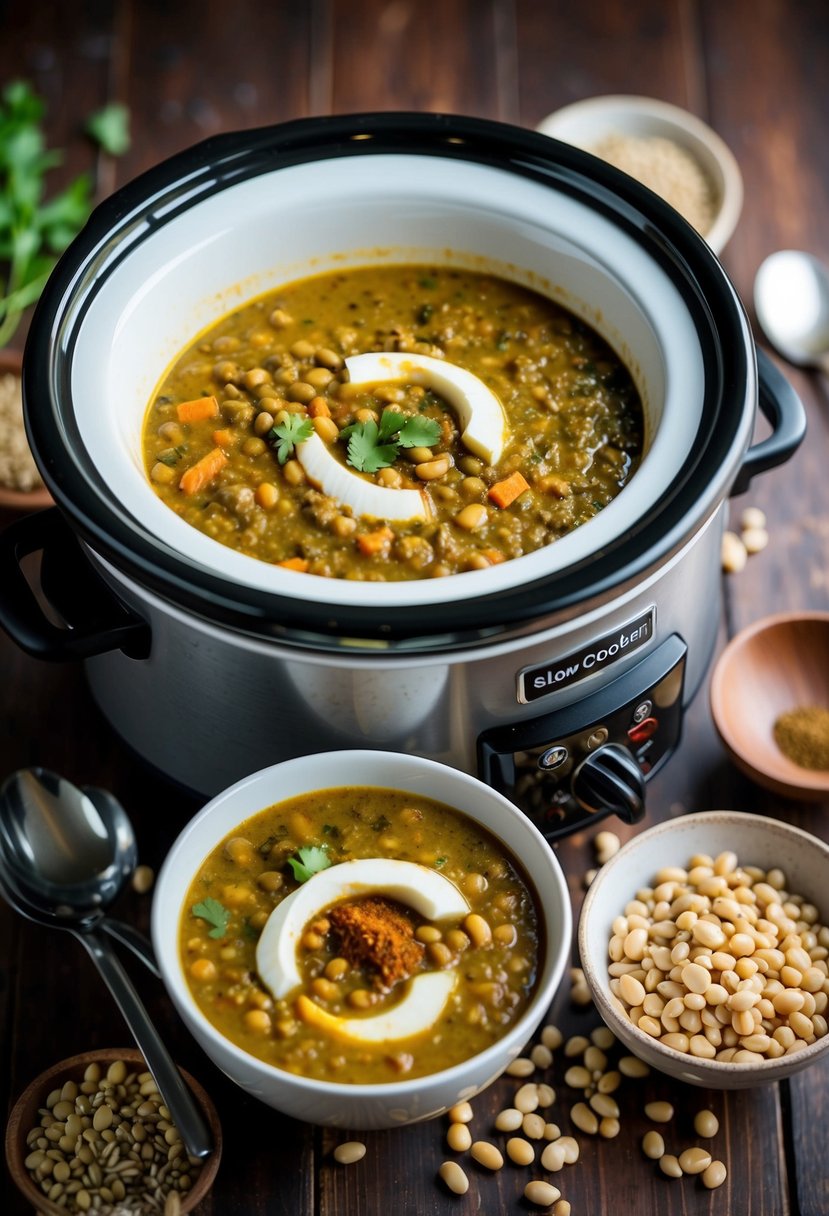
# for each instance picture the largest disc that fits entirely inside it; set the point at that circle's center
(375, 544)
(493, 556)
(203, 471)
(319, 408)
(223, 439)
(295, 563)
(196, 411)
(505, 492)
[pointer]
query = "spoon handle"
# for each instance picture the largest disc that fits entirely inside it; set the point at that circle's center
(134, 940)
(186, 1115)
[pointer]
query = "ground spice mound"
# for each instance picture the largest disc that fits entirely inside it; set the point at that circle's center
(377, 935)
(802, 735)
(667, 169)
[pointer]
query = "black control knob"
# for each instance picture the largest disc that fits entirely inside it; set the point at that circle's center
(609, 781)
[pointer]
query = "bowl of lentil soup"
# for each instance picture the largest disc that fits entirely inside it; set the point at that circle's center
(705, 943)
(393, 1008)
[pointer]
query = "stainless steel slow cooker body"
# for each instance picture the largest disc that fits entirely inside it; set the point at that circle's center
(526, 672)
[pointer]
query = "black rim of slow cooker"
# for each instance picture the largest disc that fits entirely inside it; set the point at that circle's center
(137, 210)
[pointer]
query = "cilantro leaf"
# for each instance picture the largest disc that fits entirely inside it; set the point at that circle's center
(372, 447)
(391, 421)
(419, 432)
(215, 914)
(309, 861)
(365, 452)
(286, 435)
(110, 127)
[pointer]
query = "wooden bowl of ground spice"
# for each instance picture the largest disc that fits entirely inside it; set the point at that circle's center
(21, 486)
(770, 703)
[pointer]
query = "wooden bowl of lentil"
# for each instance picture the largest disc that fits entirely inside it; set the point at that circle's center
(773, 879)
(21, 488)
(770, 703)
(39, 1096)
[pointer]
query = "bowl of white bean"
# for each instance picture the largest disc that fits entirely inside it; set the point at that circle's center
(704, 942)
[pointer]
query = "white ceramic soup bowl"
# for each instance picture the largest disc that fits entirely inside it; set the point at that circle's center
(376, 1105)
(756, 840)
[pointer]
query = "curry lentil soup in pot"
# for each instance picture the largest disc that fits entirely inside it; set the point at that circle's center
(361, 935)
(394, 422)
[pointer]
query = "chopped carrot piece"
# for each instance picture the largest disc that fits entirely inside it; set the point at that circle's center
(506, 491)
(223, 439)
(202, 472)
(295, 563)
(374, 544)
(319, 408)
(196, 411)
(493, 556)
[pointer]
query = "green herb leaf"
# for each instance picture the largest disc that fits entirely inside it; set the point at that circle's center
(31, 232)
(372, 447)
(110, 127)
(418, 432)
(286, 435)
(215, 914)
(365, 452)
(440, 862)
(172, 456)
(309, 861)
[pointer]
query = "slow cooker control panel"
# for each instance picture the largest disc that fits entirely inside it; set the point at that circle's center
(534, 762)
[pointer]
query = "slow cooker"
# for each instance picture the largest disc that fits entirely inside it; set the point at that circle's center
(559, 677)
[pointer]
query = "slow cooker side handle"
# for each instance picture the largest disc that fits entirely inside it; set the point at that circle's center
(96, 621)
(783, 408)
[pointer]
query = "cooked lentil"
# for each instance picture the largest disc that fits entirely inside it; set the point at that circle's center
(18, 470)
(489, 995)
(576, 422)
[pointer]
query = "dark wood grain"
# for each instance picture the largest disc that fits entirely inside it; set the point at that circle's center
(757, 72)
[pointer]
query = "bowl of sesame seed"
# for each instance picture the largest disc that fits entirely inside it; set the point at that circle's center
(21, 486)
(667, 149)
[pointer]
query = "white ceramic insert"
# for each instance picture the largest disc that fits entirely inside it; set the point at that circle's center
(361, 1106)
(310, 218)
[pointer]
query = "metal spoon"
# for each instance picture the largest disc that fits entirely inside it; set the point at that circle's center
(65, 853)
(791, 299)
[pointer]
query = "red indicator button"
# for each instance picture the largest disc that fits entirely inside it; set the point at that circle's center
(643, 730)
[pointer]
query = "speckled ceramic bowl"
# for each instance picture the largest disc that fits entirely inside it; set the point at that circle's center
(757, 841)
(375, 1105)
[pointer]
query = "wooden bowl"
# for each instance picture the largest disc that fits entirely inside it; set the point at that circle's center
(776, 664)
(11, 362)
(24, 1116)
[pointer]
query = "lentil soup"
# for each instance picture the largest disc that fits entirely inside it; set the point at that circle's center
(224, 433)
(359, 958)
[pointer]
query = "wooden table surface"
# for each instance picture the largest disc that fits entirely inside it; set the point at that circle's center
(756, 70)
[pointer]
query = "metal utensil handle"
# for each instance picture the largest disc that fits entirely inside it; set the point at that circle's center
(134, 940)
(194, 1131)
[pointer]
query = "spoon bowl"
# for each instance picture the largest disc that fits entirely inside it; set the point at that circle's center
(791, 299)
(65, 854)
